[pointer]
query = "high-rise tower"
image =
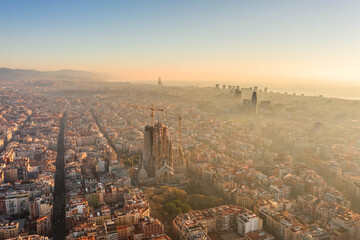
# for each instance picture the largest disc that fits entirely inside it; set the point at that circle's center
(254, 103)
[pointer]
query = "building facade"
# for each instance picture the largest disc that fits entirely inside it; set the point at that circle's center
(160, 163)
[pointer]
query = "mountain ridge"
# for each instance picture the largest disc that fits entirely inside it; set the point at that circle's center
(62, 74)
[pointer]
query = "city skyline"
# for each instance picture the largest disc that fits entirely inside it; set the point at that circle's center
(179, 120)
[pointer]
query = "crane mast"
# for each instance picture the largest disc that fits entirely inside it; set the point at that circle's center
(146, 108)
(179, 131)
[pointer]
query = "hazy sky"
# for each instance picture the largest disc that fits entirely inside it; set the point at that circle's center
(296, 41)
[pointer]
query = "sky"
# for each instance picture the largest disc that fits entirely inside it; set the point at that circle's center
(287, 42)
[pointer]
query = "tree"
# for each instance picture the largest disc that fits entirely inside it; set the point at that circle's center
(169, 208)
(94, 201)
(185, 208)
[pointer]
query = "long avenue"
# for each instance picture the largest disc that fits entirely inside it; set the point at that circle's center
(59, 196)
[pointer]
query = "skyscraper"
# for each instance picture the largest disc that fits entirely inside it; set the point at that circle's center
(254, 103)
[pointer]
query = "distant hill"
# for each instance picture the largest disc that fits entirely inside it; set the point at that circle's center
(72, 75)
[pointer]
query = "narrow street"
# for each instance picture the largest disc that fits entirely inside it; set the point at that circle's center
(17, 132)
(112, 145)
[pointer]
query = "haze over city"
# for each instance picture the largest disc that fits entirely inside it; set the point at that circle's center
(179, 120)
(292, 43)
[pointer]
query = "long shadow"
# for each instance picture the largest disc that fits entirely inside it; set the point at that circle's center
(58, 220)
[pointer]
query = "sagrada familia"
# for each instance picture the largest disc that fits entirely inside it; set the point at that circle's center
(160, 164)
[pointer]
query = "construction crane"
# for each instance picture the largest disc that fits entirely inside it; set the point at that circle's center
(179, 131)
(132, 162)
(124, 130)
(146, 108)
